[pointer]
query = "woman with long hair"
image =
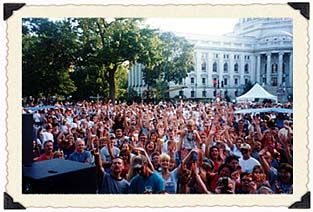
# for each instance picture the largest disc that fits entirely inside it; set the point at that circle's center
(213, 153)
(126, 156)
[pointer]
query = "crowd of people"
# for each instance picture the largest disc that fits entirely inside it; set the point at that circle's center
(171, 148)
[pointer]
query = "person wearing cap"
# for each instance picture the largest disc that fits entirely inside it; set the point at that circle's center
(147, 181)
(246, 161)
(112, 182)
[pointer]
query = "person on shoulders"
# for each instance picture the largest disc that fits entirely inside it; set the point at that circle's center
(108, 152)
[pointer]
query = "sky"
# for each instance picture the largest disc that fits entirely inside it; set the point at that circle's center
(198, 26)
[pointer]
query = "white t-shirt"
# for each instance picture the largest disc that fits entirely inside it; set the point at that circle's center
(247, 165)
(284, 132)
(46, 136)
(36, 117)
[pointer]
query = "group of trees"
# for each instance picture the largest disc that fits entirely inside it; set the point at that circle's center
(84, 57)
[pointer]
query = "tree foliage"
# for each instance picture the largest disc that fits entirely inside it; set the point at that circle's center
(89, 56)
(48, 52)
(247, 87)
(173, 60)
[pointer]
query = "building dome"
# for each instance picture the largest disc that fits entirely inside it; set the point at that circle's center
(272, 34)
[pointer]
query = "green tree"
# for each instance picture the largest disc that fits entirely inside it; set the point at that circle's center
(132, 96)
(179, 57)
(109, 45)
(172, 60)
(48, 54)
(247, 87)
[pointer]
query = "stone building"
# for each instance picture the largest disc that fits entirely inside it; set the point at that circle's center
(258, 50)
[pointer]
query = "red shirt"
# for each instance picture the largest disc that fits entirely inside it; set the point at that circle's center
(212, 181)
(44, 156)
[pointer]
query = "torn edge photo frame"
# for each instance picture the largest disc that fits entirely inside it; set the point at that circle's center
(13, 189)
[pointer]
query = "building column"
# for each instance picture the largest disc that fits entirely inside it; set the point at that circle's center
(142, 81)
(136, 76)
(198, 72)
(220, 71)
(133, 75)
(251, 69)
(231, 70)
(209, 65)
(129, 77)
(242, 70)
(258, 67)
(139, 76)
(280, 68)
(290, 70)
(268, 68)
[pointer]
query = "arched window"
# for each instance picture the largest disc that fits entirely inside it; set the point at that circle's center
(192, 80)
(236, 81)
(192, 94)
(274, 68)
(214, 82)
(225, 67)
(214, 67)
(203, 93)
(225, 81)
(203, 66)
(203, 81)
(236, 68)
(246, 68)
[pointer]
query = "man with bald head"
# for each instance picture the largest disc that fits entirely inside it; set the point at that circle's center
(80, 154)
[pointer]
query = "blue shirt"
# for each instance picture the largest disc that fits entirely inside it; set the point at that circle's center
(110, 185)
(155, 180)
(80, 157)
(171, 182)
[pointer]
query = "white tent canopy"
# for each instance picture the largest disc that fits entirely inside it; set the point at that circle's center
(257, 91)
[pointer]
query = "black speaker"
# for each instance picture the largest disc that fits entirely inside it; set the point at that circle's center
(27, 138)
(58, 176)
